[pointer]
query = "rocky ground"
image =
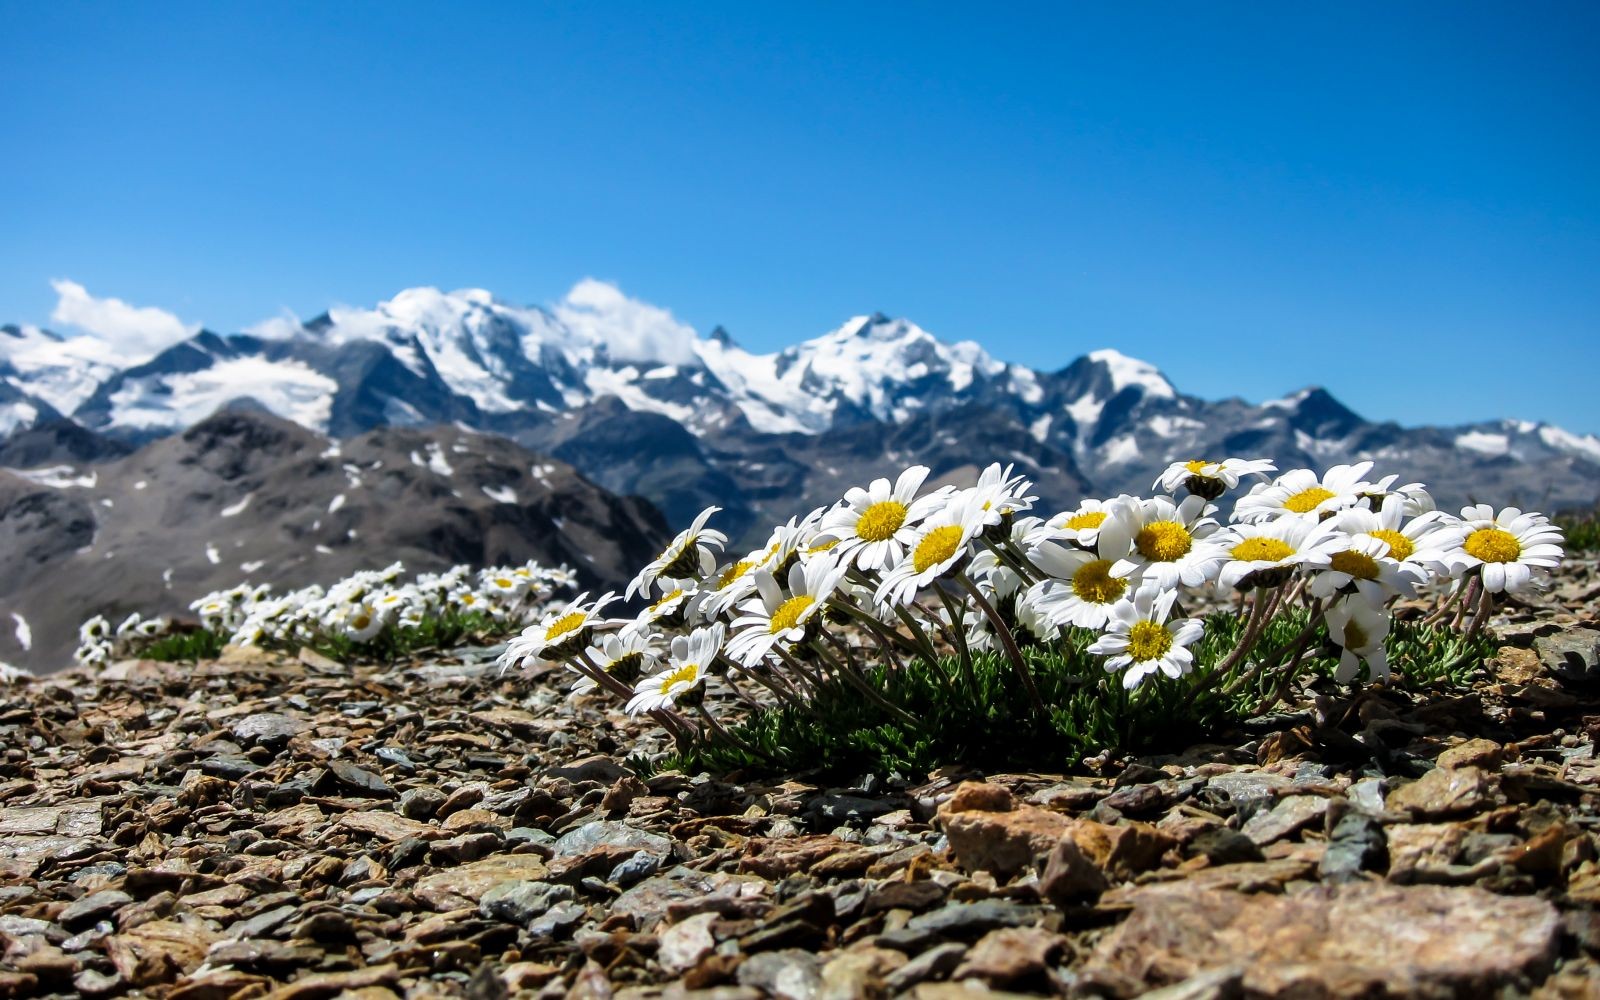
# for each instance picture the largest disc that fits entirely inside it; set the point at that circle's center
(297, 828)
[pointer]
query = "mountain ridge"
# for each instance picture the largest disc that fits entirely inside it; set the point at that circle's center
(643, 403)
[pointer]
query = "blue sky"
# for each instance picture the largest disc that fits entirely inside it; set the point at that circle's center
(1400, 202)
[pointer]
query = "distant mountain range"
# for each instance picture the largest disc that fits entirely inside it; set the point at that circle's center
(653, 409)
(247, 496)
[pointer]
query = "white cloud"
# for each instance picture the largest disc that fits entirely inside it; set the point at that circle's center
(129, 328)
(632, 330)
(280, 327)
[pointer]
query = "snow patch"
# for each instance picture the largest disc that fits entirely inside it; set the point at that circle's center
(1126, 371)
(212, 555)
(502, 494)
(289, 389)
(60, 477)
(234, 510)
(1587, 446)
(1483, 443)
(23, 633)
(336, 503)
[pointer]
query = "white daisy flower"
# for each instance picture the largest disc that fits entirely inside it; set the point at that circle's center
(690, 658)
(560, 633)
(874, 525)
(941, 542)
(1302, 493)
(1263, 554)
(1508, 548)
(776, 616)
(1416, 496)
(1358, 629)
(1210, 479)
(358, 621)
(999, 494)
(730, 587)
(1425, 541)
(1084, 585)
(626, 654)
(677, 596)
(96, 629)
(1361, 563)
(1140, 641)
(1167, 541)
(1081, 525)
(691, 555)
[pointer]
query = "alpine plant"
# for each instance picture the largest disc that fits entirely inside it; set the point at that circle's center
(896, 575)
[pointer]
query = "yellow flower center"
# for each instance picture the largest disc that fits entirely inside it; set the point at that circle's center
(503, 581)
(1088, 519)
(1196, 466)
(1307, 500)
(788, 614)
(733, 573)
(1400, 547)
(1493, 545)
(936, 546)
(360, 620)
(1262, 550)
(880, 521)
(683, 675)
(1148, 641)
(1357, 564)
(1094, 583)
(569, 622)
(657, 606)
(1163, 541)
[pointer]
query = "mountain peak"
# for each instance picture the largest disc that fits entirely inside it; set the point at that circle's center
(1126, 371)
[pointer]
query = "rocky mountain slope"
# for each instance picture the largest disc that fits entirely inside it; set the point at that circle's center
(249, 496)
(644, 405)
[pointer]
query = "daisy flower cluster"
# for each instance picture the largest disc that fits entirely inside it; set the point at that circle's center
(99, 643)
(895, 573)
(359, 609)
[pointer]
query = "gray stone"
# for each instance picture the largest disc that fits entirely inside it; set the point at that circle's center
(1572, 653)
(1241, 786)
(359, 780)
(1356, 844)
(790, 974)
(641, 866)
(420, 803)
(935, 963)
(607, 833)
(1289, 815)
(262, 924)
(962, 919)
(269, 729)
(519, 902)
(557, 921)
(91, 908)
(1225, 846)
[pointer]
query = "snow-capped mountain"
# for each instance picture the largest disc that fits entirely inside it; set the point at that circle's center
(644, 404)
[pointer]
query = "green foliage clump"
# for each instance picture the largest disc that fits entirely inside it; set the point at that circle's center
(985, 719)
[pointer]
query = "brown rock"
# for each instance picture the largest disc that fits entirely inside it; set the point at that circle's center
(979, 796)
(1122, 850)
(388, 826)
(17, 984)
(1003, 841)
(454, 888)
(1443, 792)
(1353, 940)
(685, 943)
(779, 857)
(159, 951)
(1486, 754)
(327, 984)
(1011, 953)
(1069, 876)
